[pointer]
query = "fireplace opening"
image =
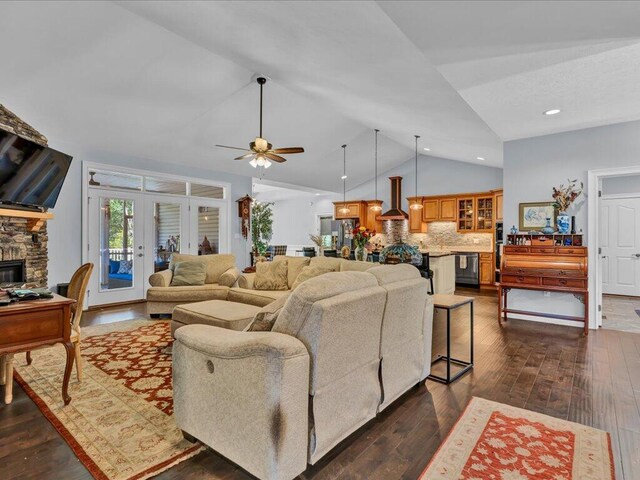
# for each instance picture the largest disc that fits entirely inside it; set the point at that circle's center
(12, 271)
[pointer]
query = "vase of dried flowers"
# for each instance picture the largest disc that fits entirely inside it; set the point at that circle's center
(564, 197)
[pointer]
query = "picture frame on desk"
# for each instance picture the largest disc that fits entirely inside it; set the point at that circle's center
(533, 215)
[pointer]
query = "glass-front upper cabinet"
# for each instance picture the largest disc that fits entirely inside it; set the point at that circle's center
(466, 207)
(485, 213)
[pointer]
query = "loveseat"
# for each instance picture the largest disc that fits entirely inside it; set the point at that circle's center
(344, 346)
(221, 275)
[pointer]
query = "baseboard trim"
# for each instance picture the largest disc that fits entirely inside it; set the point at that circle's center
(116, 304)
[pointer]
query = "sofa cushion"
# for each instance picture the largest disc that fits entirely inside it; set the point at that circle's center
(187, 294)
(356, 266)
(294, 266)
(255, 297)
(219, 313)
(188, 273)
(228, 278)
(271, 276)
(386, 274)
(326, 262)
(265, 318)
(216, 264)
(309, 272)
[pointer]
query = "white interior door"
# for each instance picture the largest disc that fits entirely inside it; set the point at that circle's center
(166, 230)
(116, 246)
(620, 244)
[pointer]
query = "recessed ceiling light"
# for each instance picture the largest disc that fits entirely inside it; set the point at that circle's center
(427, 149)
(480, 158)
(553, 111)
(317, 194)
(343, 177)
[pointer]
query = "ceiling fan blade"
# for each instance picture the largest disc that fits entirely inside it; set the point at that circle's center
(234, 148)
(274, 157)
(242, 157)
(289, 150)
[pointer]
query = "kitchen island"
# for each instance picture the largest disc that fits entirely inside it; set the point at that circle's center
(442, 263)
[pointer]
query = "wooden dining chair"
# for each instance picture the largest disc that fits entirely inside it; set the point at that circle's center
(77, 291)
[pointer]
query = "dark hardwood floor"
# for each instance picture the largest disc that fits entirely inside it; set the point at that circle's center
(550, 369)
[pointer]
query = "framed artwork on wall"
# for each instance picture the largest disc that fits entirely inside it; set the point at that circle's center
(533, 216)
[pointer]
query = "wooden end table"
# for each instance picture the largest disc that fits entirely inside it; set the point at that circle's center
(28, 325)
(449, 303)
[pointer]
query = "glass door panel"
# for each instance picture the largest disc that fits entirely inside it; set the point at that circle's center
(208, 228)
(116, 247)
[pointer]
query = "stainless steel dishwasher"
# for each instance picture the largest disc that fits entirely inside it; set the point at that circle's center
(468, 269)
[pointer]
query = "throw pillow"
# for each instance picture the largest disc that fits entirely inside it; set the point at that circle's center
(114, 266)
(188, 273)
(271, 276)
(263, 320)
(309, 272)
(125, 266)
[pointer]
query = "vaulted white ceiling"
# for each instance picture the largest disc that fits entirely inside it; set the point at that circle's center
(169, 80)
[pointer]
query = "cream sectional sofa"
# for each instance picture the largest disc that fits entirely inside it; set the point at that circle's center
(222, 274)
(244, 292)
(345, 345)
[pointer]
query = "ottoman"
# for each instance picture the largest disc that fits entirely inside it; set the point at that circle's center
(219, 313)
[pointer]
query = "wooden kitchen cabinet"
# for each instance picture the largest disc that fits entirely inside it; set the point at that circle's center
(430, 209)
(371, 223)
(466, 214)
(484, 213)
(487, 269)
(416, 225)
(498, 205)
(447, 210)
(356, 209)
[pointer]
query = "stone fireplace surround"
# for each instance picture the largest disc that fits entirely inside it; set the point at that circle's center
(18, 243)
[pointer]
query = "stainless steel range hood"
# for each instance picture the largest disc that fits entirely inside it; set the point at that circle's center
(395, 212)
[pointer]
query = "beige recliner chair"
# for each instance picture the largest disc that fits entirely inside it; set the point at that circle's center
(274, 401)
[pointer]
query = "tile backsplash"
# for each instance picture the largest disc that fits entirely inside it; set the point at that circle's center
(444, 234)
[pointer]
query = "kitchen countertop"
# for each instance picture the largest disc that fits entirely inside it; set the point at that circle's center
(438, 252)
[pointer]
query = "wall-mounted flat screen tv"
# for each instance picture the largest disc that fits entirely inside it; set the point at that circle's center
(30, 174)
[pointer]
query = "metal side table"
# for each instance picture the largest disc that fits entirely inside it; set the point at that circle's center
(449, 303)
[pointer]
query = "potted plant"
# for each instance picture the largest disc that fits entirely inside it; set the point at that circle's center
(564, 197)
(261, 227)
(361, 236)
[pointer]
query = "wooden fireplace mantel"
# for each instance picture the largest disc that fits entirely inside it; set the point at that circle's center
(35, 220)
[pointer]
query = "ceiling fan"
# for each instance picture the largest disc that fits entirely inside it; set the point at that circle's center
(261, 151)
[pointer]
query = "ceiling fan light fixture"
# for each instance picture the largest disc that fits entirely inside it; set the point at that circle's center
(267, 163)
(253, 163)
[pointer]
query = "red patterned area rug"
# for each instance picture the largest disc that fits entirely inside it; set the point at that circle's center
(493, 441)
(119, 422)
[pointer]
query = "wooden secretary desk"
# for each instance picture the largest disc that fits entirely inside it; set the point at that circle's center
(549, 267)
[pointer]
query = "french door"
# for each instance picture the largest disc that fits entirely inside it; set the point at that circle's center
(116, 246)
(133, 235)
(620, 245)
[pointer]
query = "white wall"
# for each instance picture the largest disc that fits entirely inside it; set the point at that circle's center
(294, 218)
(65, 230)
(621, 185)
(533, 166)
(436, 176)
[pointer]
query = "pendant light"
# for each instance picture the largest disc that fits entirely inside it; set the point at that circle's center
(416, 205)
(376, 207)
(344, 209)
